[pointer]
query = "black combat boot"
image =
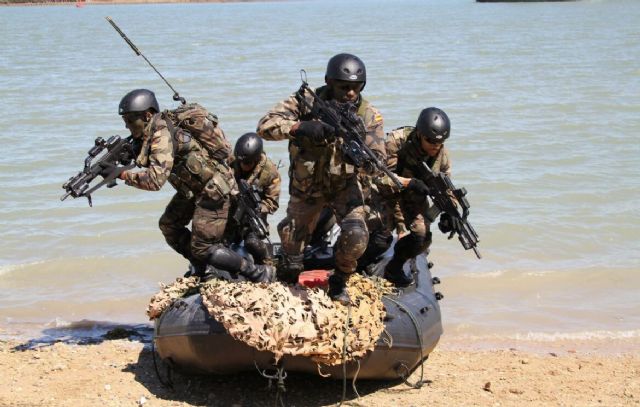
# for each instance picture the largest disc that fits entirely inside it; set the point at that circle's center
(290, 267)
(338, 287)
(196, 269)
(225, 259)
(258, 273)
(394, 272)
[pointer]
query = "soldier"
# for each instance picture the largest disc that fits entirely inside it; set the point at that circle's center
(204, 185)
(251, 164)
(319, 174)
(379, 195)
(407, 148)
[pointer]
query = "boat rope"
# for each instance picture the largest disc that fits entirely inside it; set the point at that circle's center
(321, 373)
(169, 382)
(416, 325)
(279, 377)
(344, 355)
(355, 377)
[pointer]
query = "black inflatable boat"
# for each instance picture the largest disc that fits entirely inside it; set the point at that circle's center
(187, 337)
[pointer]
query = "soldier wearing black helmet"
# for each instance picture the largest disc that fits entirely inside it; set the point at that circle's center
(204, 185)
(407, 148)
(251, 164)
(320, 176)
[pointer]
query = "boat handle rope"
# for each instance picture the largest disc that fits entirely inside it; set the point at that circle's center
(321, 373)
(279, 376)
(169, 382)
(388, 340)
(416, 325)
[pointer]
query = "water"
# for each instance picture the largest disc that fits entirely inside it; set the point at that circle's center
(543, 99)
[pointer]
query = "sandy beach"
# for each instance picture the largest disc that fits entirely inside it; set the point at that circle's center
(121, 373)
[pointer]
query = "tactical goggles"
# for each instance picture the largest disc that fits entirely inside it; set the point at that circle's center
(431, 141)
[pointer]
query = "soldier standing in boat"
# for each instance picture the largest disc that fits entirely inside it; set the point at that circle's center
(320, 176)
(204, 184)
(407, 148)
(380, 196)
(250, 163)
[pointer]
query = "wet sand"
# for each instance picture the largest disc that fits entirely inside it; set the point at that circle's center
(121, 373)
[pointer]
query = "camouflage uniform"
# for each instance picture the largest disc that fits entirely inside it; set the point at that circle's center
(404, 157)
(320, 176)
(380, 199)
(266, 177)
(204, 186)
(379, 196)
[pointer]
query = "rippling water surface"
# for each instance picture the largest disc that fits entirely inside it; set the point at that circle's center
(543, 98)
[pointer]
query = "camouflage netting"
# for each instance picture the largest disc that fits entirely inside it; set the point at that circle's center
(287, 320)
(169, 293)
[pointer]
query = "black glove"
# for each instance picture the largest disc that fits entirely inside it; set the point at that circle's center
(418, 186)
(447, 224)
(369, 168)
(316, 131)
(107, 170)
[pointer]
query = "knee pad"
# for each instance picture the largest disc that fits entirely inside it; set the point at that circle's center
(224, 258)
(257, 248)
(353, 239)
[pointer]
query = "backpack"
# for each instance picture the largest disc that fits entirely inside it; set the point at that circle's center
(203, 127)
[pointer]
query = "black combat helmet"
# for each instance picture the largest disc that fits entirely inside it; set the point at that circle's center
(248, 149)
(138, 100)
(346, 67)
(434, 125)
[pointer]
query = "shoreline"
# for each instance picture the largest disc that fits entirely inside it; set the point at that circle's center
(121, 372)
(602, 343)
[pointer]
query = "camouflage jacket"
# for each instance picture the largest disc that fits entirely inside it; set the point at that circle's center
(266, 177)
(318, 170)
(155, 156)
(404, 155)
(181, 160)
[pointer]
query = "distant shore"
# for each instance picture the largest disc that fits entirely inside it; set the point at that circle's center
(96, 2)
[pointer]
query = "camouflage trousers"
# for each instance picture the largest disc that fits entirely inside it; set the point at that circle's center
(379, 220)
(302, 217)
(208, 220)
(419, 238)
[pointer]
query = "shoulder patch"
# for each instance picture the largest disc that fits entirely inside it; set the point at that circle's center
(377, 118)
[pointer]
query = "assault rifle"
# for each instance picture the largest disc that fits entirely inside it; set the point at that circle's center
(348, 126)
(118, 157)
(248, 211)
(444, 196)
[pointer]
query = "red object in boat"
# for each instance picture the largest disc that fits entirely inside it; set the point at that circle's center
(314, 278)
